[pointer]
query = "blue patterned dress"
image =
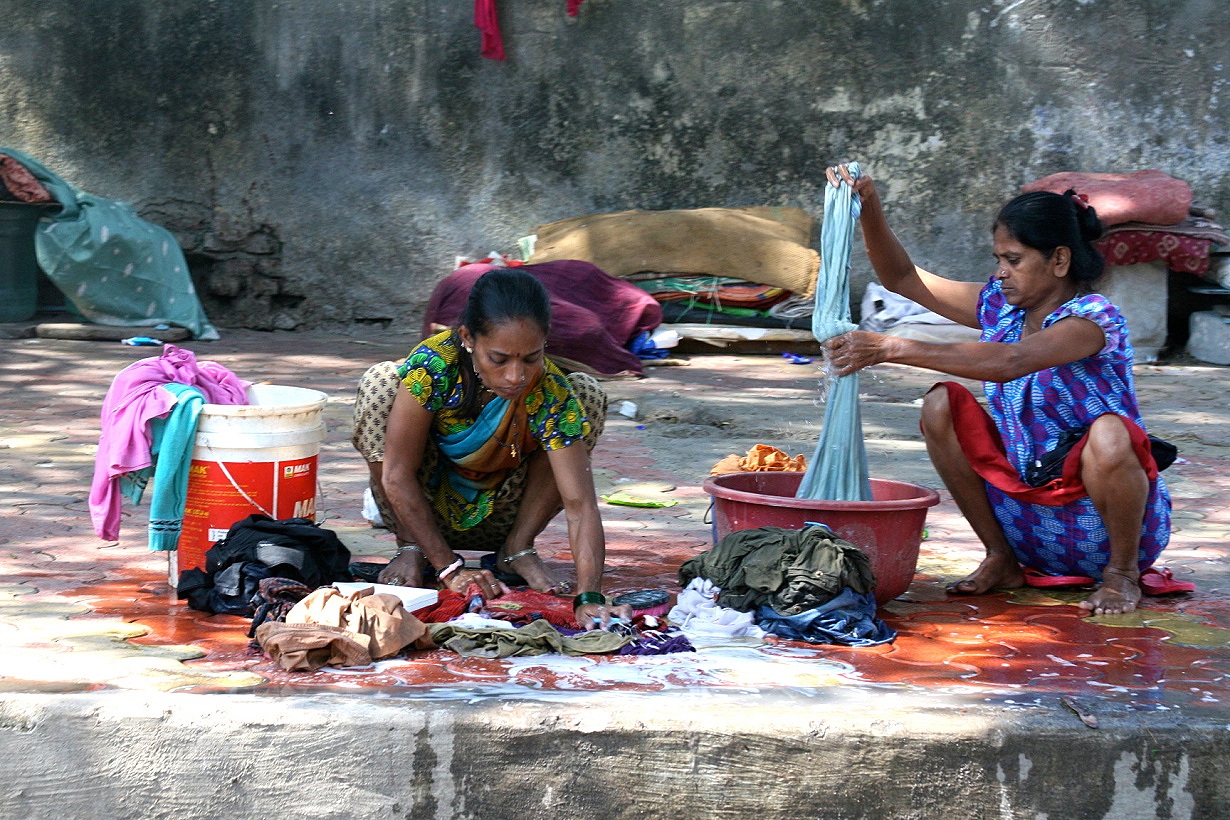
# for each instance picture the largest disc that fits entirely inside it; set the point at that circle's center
(1031, 412)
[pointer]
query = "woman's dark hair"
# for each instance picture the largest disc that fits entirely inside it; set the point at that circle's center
(1045, 221)
(498, 296)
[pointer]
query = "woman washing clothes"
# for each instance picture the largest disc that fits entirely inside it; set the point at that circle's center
(477, 441)
(1053, 357)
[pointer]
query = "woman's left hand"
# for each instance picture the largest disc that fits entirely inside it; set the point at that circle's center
(599, 616)
(851, 352)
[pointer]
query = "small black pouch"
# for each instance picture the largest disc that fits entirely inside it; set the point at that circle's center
(1050, 466)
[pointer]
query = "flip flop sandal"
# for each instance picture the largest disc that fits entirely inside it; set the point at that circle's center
(366, 570)
(645, 601)
(504, 576)
(1154, 581)
(1036, 578)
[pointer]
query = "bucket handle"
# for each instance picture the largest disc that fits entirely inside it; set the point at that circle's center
(235, 484)
(708, 516)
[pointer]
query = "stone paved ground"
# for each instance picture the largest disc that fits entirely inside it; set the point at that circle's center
(80, 615)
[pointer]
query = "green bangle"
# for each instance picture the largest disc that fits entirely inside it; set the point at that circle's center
(588, 598)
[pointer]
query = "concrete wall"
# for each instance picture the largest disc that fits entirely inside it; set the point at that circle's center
(610, 755)
(323, 161)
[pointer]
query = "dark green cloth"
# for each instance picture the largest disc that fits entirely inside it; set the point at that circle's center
(535, 638)
(790, 570)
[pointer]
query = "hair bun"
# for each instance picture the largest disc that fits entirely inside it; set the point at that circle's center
(1086, 216)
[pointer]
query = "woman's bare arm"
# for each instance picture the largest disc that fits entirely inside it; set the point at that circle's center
(1068, 340)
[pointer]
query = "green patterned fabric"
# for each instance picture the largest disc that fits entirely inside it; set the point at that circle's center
(113, 266)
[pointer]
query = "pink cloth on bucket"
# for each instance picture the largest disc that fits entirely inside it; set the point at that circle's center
(134, 398)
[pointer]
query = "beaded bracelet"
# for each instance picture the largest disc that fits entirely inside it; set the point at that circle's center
(588, 598)
(450, 569)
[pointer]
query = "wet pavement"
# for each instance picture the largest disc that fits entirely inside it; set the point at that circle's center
(81, 615)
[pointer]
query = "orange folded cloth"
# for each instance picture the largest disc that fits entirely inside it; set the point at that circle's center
(761, 458)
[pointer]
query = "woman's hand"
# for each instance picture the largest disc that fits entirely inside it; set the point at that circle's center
(864, 186)
(598, 616)
(851, 352)
(461, 580)
(406, 570)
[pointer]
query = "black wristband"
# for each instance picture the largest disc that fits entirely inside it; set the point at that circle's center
(588, 598)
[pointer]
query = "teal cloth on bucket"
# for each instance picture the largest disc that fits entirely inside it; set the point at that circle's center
(173, 440)
(838, 469)
(114, 267)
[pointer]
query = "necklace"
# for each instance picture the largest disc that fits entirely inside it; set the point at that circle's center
(512, 446)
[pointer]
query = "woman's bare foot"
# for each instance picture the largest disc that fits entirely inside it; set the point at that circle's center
(530, 567)
(1119, 593)
(995, 572)
(405, 570)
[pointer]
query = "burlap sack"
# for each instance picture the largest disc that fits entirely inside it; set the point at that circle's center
(768, 245)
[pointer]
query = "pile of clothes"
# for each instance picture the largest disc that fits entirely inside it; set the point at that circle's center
(751, 266)
(330, 627)
(289, 577)
(807, 585)
(293, 579)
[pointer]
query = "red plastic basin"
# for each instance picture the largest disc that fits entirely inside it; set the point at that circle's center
(888, 528)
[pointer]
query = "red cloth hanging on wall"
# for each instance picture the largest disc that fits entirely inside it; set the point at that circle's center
(487, 22)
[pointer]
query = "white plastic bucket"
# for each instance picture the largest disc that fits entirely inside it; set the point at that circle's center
(254, 458)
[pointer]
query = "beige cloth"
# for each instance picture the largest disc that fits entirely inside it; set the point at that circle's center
(767, 245)
(307, 647)
(761, 458)
(380, 620)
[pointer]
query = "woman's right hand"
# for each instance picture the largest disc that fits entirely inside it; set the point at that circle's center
(864, 185)
(405, 570)
(851, 352)
(461, 581)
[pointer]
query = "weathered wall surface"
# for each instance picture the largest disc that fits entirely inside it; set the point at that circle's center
(323, 162)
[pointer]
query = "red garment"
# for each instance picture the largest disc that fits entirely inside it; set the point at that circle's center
(489, 24)
(1180, 253)
(984, 449)
(449, 605)
(515, 606)
(518, 605)
(594, 316)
